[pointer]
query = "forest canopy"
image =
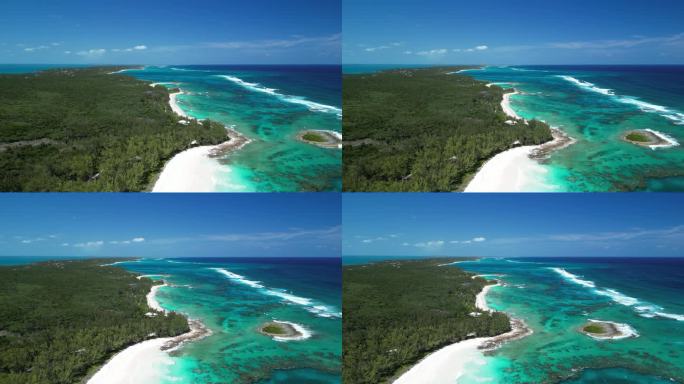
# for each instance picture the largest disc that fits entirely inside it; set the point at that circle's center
(89, 130)
(424, 129)
(396, 312)
(60, 320)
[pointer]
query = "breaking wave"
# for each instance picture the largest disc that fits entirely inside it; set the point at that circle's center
(311, 305)
(311, 105)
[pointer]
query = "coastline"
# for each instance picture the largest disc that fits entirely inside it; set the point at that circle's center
(140, 363)
(518, 169)
(196, 169)
(448, 364)
(506, 104)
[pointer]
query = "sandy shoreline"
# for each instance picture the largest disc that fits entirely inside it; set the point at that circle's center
(506, 104)
(447, 365)
(196, 169)
(518, 169)
(481, 298)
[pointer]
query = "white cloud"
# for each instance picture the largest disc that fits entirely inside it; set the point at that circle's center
(38, 48)
(478, 239)
(429, 244)
(67, 52)
(481, 47)
(432, 52)
(140, 47)
(65, 244)
(334, 39)
(92, 52)
(90, 244)
(623, 43)
(138, 239)
(373, 49)
(675, 233)
(408, 52)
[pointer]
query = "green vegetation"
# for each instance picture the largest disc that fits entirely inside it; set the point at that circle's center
(314, 137)
(424, 130)
(594, 328)
(60, 320)
(637, 136)
(87, 130)
(274, 329)
(396, 312)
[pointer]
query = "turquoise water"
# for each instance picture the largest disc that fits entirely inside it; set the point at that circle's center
(298, 290)
(270, 105)
(596, 105)
(643, 293)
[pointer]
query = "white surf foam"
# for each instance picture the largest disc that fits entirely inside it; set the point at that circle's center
(671, 142)
(574, 278)
(238, 278)
(587, 85)
(672, 115)
(288, 297)
(310, 305)
(618, 297)
(311, 105)
(305, 333)
(643, 308)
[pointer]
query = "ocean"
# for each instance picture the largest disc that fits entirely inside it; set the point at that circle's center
(596, 105)
(556, 296)
(233, 297)
(270, 105)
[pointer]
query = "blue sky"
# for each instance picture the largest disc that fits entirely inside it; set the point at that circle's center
(511, 225)
(170, 225)
(170, 32)
(513, 32)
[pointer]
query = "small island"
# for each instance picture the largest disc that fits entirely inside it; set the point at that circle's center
(281, 330)
(645, 138)
(607, 330)
(321, 138)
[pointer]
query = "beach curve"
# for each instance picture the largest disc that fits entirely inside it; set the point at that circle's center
(196, 169)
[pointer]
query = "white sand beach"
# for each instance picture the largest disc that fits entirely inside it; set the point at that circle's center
(481, 298)
(518, 170)
(446, 365)
(506, 105)
(511, 171)
(141, 363)
(152, 299)
(173, 102)
(189, 171)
